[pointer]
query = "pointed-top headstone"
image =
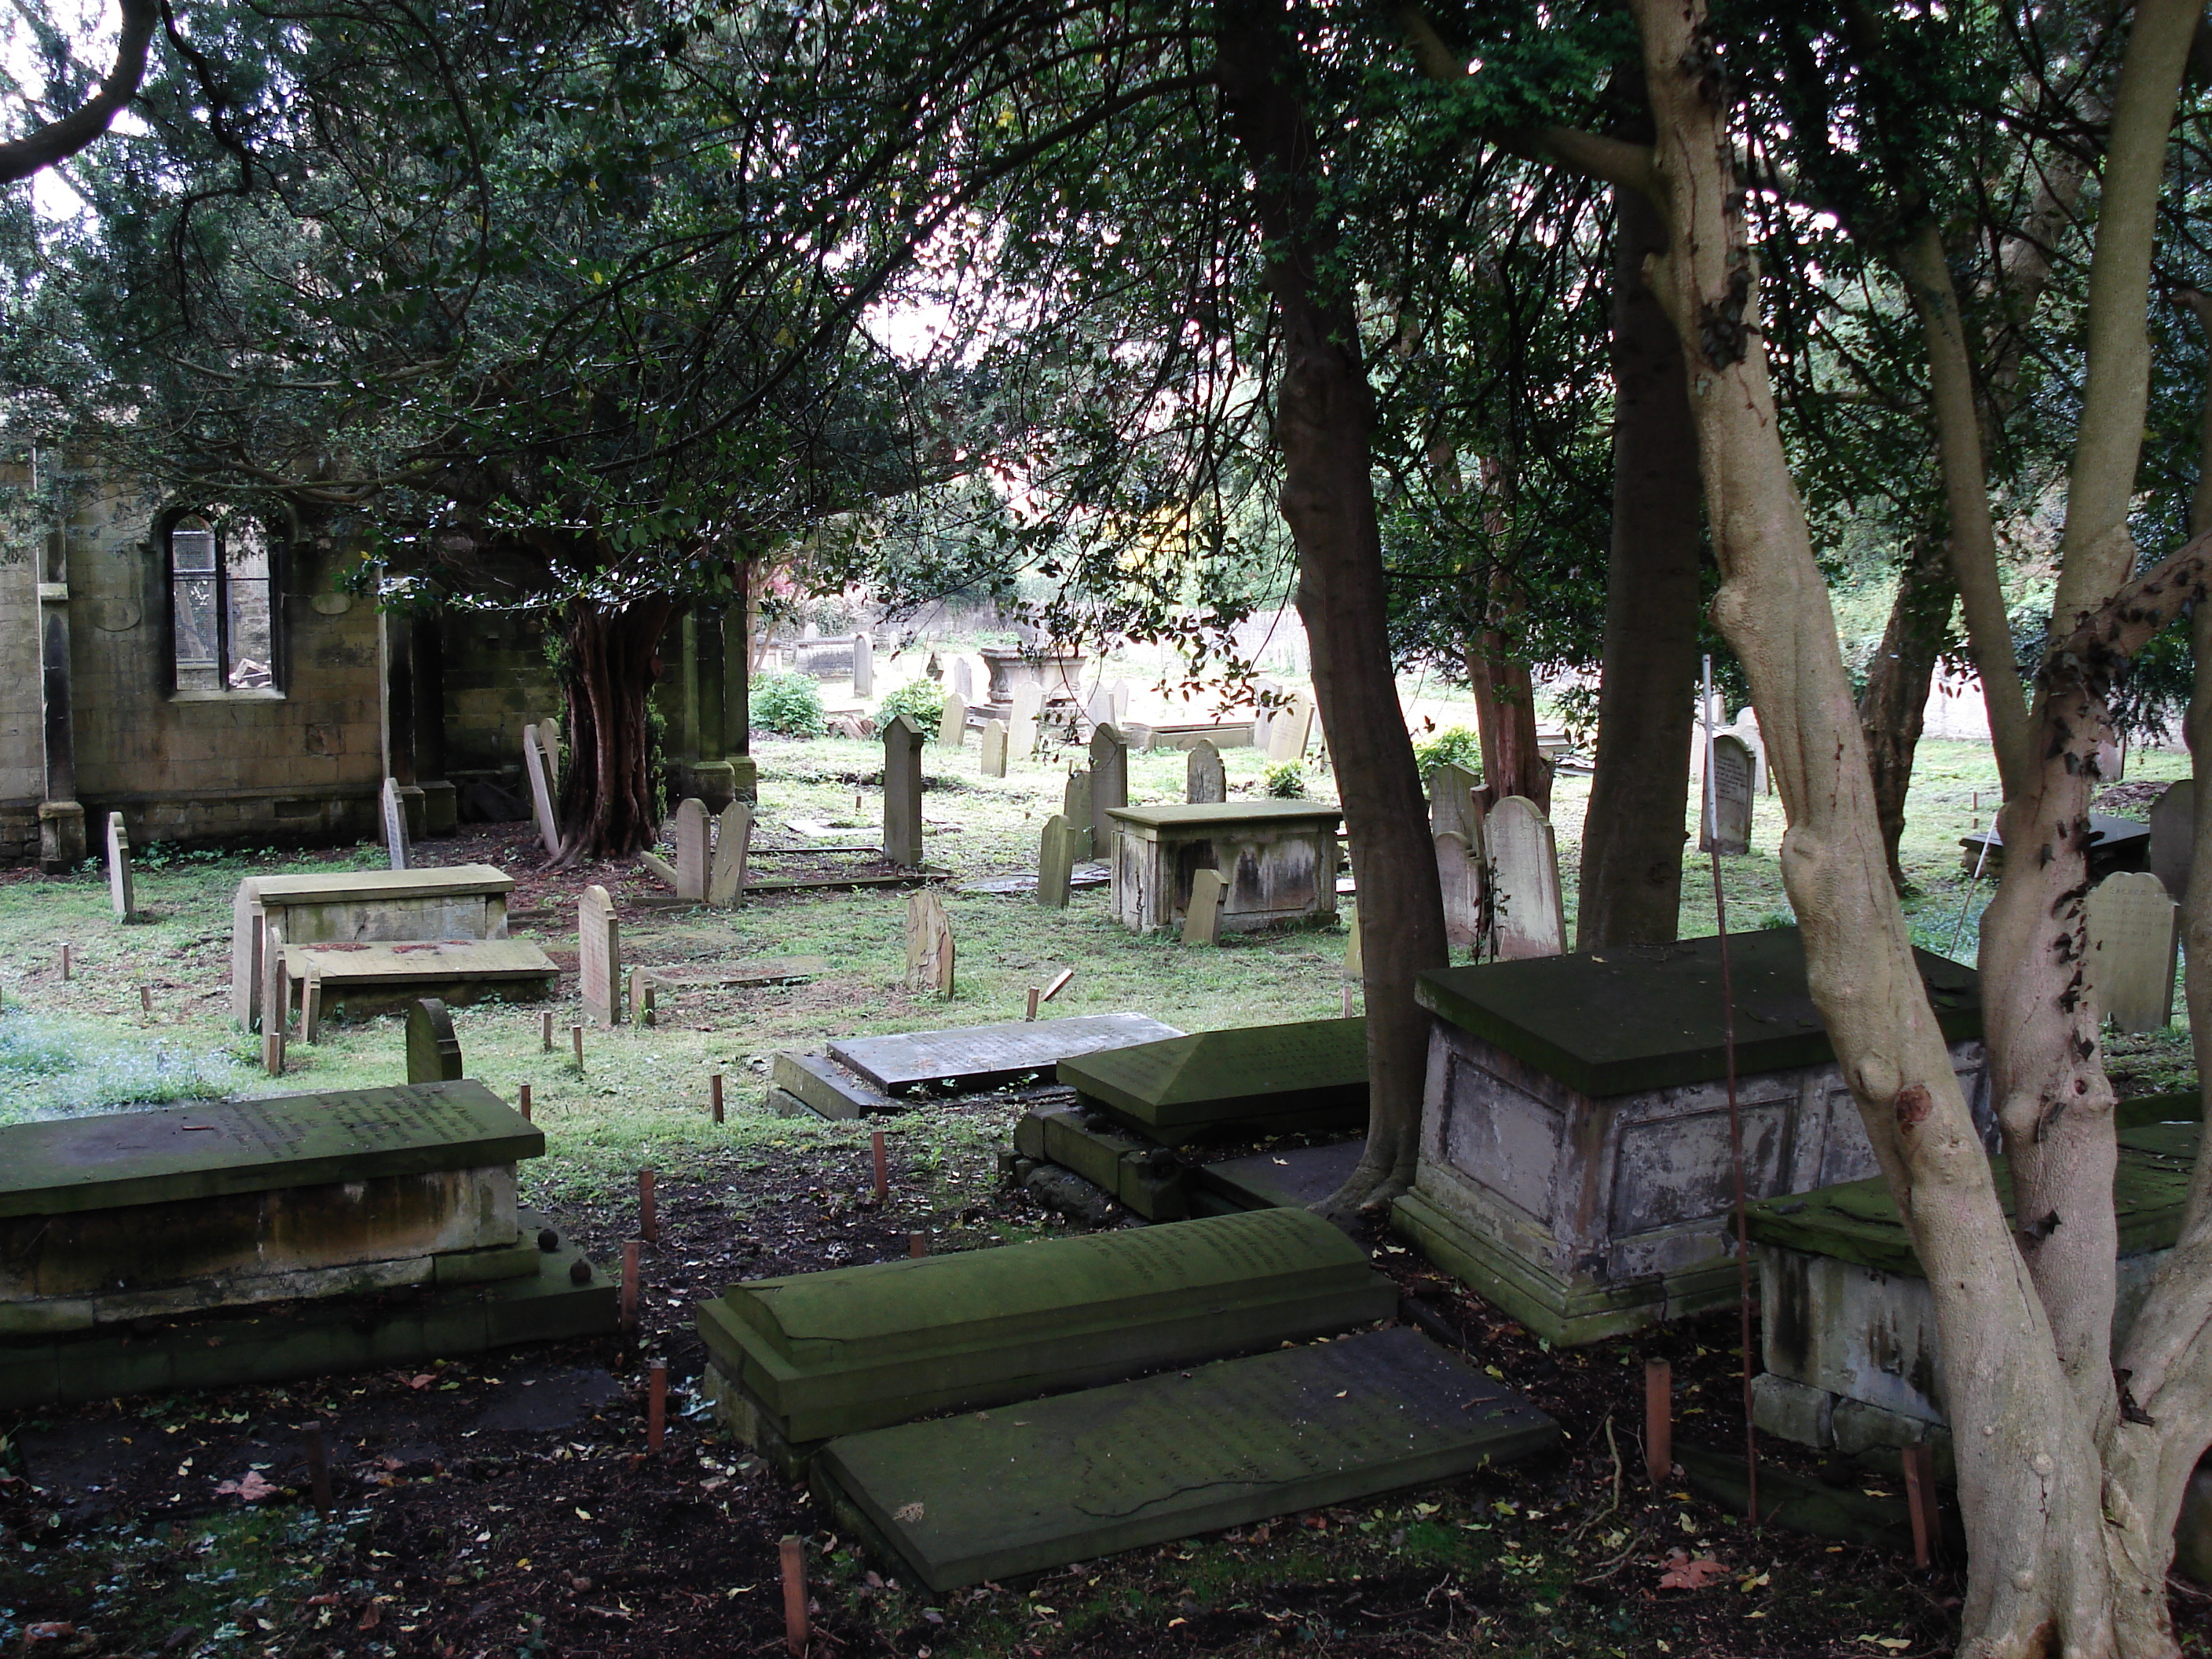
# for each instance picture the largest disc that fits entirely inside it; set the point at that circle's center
(1109, 785)
(1056, 861)
(395, 825)
(534, 767)
(952, 730)
(598, 957)
(733, 838)
(929, 953)
(995, 748)
(1529, 911)
(902, 793)
(120, 894)
(1206, 782)
(692, 850)
(434, 1053)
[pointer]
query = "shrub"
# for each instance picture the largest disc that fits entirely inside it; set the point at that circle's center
(921, 701)
(789, 705)
(1286, 782)
(1453, 747)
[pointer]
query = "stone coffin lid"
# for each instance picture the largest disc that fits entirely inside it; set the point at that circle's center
(118, 1158)
(1629, 1019)
(1216, 1076)
(1857, 1220)
(344, 886)
(1179, 817)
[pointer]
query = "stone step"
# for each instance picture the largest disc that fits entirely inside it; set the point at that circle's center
(828, 1353)
(1038, 1485)
(1251, 1080)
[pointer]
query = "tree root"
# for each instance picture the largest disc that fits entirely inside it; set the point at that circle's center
(1366, 1194)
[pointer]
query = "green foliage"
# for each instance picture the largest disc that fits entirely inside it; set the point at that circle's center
(789, 705)
(1453, 747)
(921, 701)
(1286, 782)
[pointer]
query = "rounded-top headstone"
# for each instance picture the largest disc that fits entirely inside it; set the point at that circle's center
(434, 1053)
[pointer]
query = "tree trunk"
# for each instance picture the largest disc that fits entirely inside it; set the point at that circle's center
(1324, 412)
(1505, 718)
(1632, 835)
(1894, 705)
(607, 794)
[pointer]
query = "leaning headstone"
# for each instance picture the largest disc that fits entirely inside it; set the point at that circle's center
(536, 768)
(692, 852)
(119, 892)
(1075, 807)
(598, 957)
(902, 793)
(2134, 937)
(549, 746)
(1201, 922)
(952, 729)
(733, 840)
(863, 666)
(929, 952)
(1110, 786)
(995, 748)
(434, 1053)
(1056, 861)
(1529, 912)
(395, 825)
(1460, 875)
(1728, 797)
(2173, 834)
(1451, 801)
(1206, 783)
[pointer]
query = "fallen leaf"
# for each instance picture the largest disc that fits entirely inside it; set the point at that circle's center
(252, 1490)
(47, 1632)
(1685, 1573)
(907, 1512)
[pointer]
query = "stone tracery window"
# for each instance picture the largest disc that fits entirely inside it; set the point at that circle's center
(221, 606)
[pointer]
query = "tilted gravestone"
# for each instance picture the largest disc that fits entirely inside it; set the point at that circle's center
(1110, 786)
(1206, 782)
(1459, 872)
(599, 958)
(1452, 809)
(692, 852)
(929, 951)
(395, 825)
(1075, 807)
(1201, 922)
(120, 893)
(1729, 797)
(952, 729)
(548, 745)
(733, 840)
(434, 1053)
(2173, 836)
(1056, 861)
(1529, 910)
(863, 666)
(1308, 1075)
(536, 768)
(994, 750)
(902, 793)
(2134, 940)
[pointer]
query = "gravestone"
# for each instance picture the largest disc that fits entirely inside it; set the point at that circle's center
(1452, 809)
(1110, 786)
(549, 746)
(964, 681)
(1278, 857)
(1119, 693)
(1249, 1080)
(434, 1053)
(988, 1495)
(733, 840)
(1205, 780)
(929, 949)
(536, 768)
(311, 1004)
(1075, 807)
(1460, 875)
(1528, 913)
(975, 1057)
(2173, 836)
(1056, 861)
(1201, 922)
(120, 895)
(1355, 953)
(863, 666)
(994, 750)
(902, 793)
(1022, 726)
(2134, 941)
(1289, 731)
(599, 958)
(1098, 707)
(693, 855)
(276, 997)
(952, 729)
(1728, 798)
(395, 825)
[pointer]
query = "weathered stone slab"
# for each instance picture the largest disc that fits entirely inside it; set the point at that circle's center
(1291, 730)
(1206, 782)
(1142, 1174)
(1250, 1080)
(434, 1053)
(357, 980)
(1460, 875)
(538, 767)
(1527, 910)
(1452, 811)
(827, 1089)
(692, 849)
(733, 840)
(831, 1354)
(121, 896)
(993, 756)
(765, 970)
(396, 849)
(1075, 807)
(952, 729)
(1201, 921)
(1055, 862)
(2173, 836)
(1109, 784)
(1295, 1178)
(2134, 943)
(983, 1056)
(902, 793)
(598, 957)
(1278, 857)
(863, 666)
(930, 952)
(2115, 844)
(1078, 1476)
(1728, 797)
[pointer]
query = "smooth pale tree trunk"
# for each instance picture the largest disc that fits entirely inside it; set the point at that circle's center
(1894, 705)
(1633, 833)
(606, 790)
(1324, 412)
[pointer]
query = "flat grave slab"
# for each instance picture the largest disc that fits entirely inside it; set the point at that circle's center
(1294, 1177)
(817, 1084)
(767, 971)
(980, 1056)
(830, 1353)
(1082, 1476)
(363, 978)
(1247, 1080)
(1078, 876)
(2115, 845)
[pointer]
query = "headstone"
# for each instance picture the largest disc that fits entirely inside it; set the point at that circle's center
(1528, 911)
(1728, 797)
(2134, 937)
(1265, 710)
(1056, 861)
(1110, 786)
(1201, 922)
(1022, 728)
(311, 1004)
(1355, 958)
(434, 1053)
(693, 855)
(1249, 1080)
(810, 633)
(1119, 691)
(1075, 807)
(929, 951)
(963, 680)
(733, 840)
(976, 1057)
(395, 825)
(863, 666)
(598, 957)
(275, 995)
(988, 1495)
(952, 730)
(2173, 836)
(119, 891)
(995, 748)
(902, 793)
(1460, 874)
(1205, 780)
(1289, 731)
(644, 998)
(1451, 802)
(549, 746)
(535, 767)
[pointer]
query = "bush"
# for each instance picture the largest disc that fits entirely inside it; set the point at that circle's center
(921, 701)
(789, 705)
(1453, 747)
(1286, 782)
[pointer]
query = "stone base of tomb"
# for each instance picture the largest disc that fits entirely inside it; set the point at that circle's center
(752, 1423)
(274, 1342)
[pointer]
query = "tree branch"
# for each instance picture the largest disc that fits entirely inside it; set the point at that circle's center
(58, 140)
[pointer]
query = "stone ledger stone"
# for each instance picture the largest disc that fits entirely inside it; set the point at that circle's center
(599, 958)
(1023, 1488)
(983, 1056)
(120, 895)
(1250, 1079)
(1206, 782)
(434, 1053)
